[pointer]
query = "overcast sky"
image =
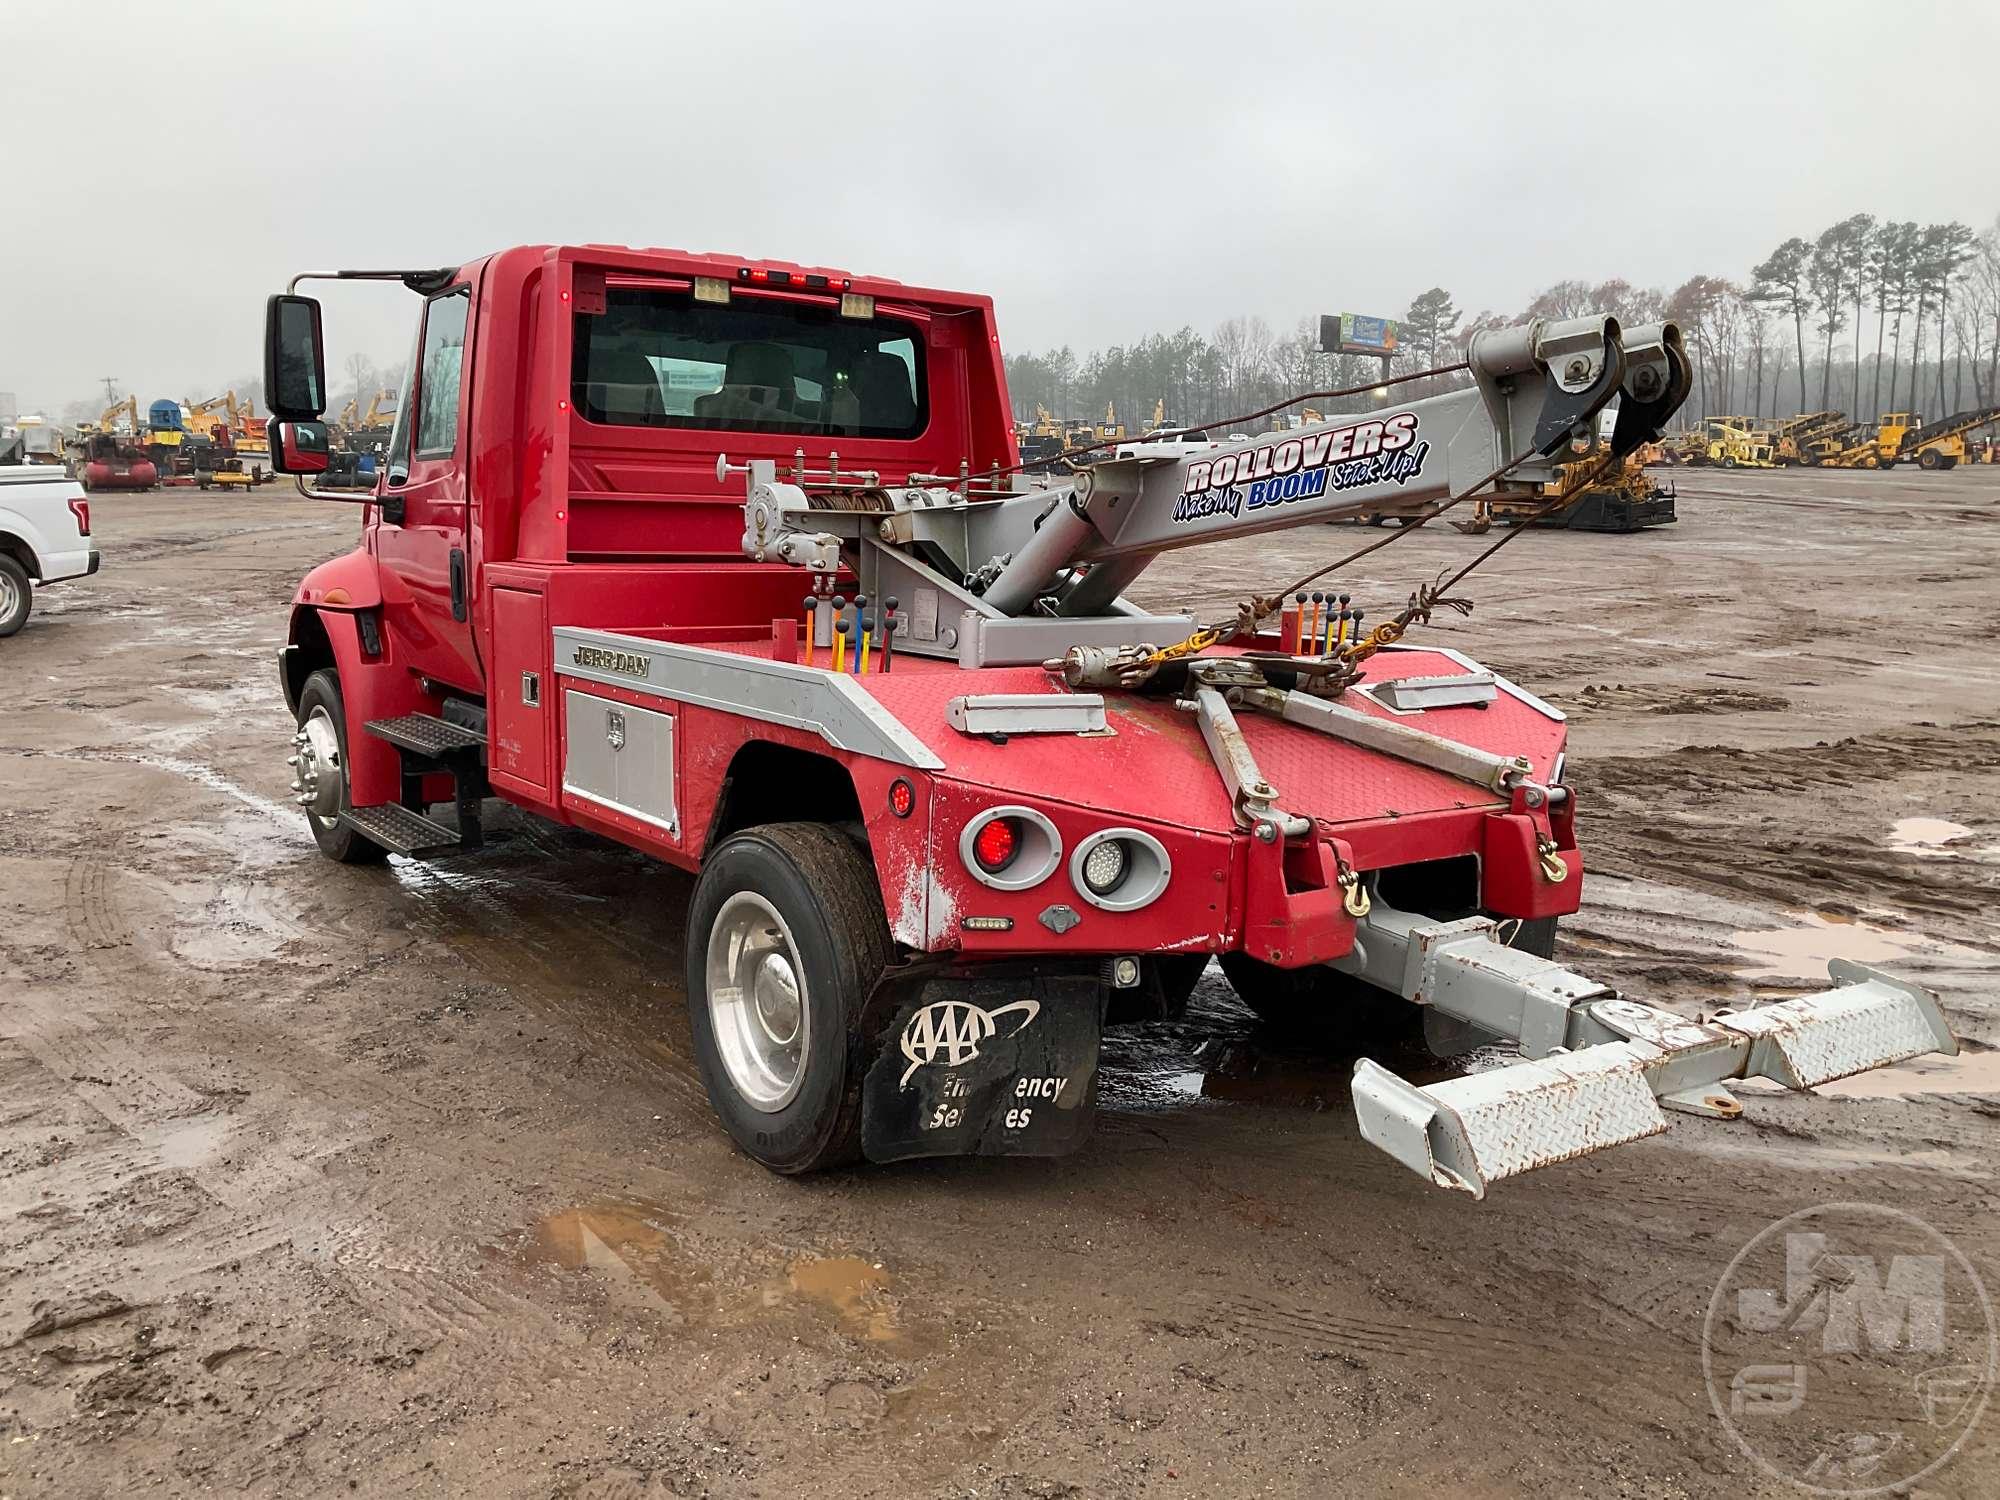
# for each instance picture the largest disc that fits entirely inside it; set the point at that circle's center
(1101, 171)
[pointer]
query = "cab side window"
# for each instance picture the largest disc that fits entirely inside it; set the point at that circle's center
(440, 363)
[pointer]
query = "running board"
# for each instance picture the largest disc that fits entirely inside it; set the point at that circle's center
(399, 830)
(1598, 1068)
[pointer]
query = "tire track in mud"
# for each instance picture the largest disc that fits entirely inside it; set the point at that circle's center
(561, 946)
(93, 920)
(1794, 864)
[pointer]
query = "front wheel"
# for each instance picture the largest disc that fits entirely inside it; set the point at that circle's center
(319, 766)
(17, 595)
(785, 940)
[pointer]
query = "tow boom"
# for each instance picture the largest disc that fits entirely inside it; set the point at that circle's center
(1020, 575)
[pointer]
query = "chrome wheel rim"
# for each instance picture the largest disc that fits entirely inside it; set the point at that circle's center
(757, 1002)
(316, 768)
(10, 596)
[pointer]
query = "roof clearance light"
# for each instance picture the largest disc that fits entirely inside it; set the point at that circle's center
(710, 289)
(856, 305)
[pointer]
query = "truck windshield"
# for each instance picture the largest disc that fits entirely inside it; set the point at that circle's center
(661, 359)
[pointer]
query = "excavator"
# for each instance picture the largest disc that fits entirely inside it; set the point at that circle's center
(252, 437)
(203, 417)
(1042, 440)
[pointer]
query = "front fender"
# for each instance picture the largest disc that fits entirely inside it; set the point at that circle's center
(352, 581)
(370, 688)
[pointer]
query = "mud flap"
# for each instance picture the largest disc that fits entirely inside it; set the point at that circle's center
(985, 1067)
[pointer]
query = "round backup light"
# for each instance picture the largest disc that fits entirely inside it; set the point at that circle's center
(996, 844)
(1120, 869)
(1105, 866)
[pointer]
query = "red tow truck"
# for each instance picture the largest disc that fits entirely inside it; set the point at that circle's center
(732, 561)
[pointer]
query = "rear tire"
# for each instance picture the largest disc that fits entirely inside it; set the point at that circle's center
(321, 698)
(17, 596)
(785, 941)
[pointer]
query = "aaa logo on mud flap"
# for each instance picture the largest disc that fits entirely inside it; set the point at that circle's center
(1850, 1349)
(950, 1031)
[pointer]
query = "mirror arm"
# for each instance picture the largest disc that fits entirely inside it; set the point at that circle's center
(360, 497)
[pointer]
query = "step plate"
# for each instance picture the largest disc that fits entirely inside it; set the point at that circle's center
(1871, 1021)
(1468, 1133)
(399, 830)
(426, 734)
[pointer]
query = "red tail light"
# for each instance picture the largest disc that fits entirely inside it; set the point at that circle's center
(996, 844)
(80, 508)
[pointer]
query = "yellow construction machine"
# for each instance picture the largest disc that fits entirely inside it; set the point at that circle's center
(1592, 497)
(1733, 443)
(1793, 438)
(1905, 437)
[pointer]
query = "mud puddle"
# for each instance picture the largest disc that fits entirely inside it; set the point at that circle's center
(1804, 950)
(854, 1288)
(1937, 838)
(637, 1250)
(1968, 1073)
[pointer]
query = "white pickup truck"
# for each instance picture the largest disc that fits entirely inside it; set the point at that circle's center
(44, 537)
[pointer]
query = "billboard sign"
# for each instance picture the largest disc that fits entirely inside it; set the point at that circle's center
(1357, 333)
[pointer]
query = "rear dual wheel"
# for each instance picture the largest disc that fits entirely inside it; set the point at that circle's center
(786, 940)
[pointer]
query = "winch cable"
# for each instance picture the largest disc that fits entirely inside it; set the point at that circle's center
(1253, 611)
(1251, 416)
(1435, 595)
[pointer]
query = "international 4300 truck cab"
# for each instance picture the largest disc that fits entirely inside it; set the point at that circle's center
(733, 561)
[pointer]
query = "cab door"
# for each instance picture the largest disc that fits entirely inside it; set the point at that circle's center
(421, 531)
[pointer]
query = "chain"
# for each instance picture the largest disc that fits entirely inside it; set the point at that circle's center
(1252, 612)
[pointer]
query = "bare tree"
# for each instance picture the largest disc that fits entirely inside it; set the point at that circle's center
(1781, 280)
(1566, 299)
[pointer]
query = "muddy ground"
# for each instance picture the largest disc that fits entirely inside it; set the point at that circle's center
(324, 1180)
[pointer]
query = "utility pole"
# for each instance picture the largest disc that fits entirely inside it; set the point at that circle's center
(110, 389)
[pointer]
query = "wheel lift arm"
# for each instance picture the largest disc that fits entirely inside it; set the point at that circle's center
(1598, 1067)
